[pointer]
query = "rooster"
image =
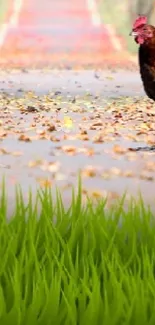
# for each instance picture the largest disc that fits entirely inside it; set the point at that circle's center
(144, 35)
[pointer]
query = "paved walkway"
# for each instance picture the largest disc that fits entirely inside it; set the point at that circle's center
(61, 32)
(55, 123)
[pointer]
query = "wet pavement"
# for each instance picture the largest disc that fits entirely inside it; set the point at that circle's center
(54, 124)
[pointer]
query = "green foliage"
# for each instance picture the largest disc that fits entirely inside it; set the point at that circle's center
(85, 264)
(119, 16)
(3, 9)
(123, 13)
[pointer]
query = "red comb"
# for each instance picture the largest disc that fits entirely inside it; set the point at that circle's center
(141, 20)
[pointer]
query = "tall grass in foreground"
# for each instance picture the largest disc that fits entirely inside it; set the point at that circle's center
(82, 265)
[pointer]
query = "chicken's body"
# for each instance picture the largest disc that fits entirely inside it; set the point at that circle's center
(147, 69)
(145, 36)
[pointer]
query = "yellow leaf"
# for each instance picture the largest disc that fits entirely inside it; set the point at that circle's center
(44, 182)
(68, 122)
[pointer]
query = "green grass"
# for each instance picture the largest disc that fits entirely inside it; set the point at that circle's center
(85, 264)
(3, 9)
(118, 16)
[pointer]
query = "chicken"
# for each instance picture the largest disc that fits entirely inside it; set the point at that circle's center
(144, 35)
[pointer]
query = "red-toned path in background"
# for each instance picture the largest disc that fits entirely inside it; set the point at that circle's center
(57, 33)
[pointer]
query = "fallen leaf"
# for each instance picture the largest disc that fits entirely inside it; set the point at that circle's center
(31, 109)
(3, 151)
(106, 175)
(99, 123)
(119, 150)
(53, 167)
(17, 153)
(97, 194)
(35, 163)
(89, 171)
(109, 77)
(98, 139)
(24, 138)
(116, 171)
(90, 152)
(145, 176)
(83, 137)
(54, 139)
(69, 149)
(41, 132)
(68, 122)
(60, 177)
(51, 128)
(44, 182)
(128, 173)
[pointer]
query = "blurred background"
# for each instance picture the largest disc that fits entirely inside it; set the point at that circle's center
(122, 13)
(37, 33)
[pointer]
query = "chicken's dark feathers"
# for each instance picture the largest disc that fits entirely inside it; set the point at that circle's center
(147, 66)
